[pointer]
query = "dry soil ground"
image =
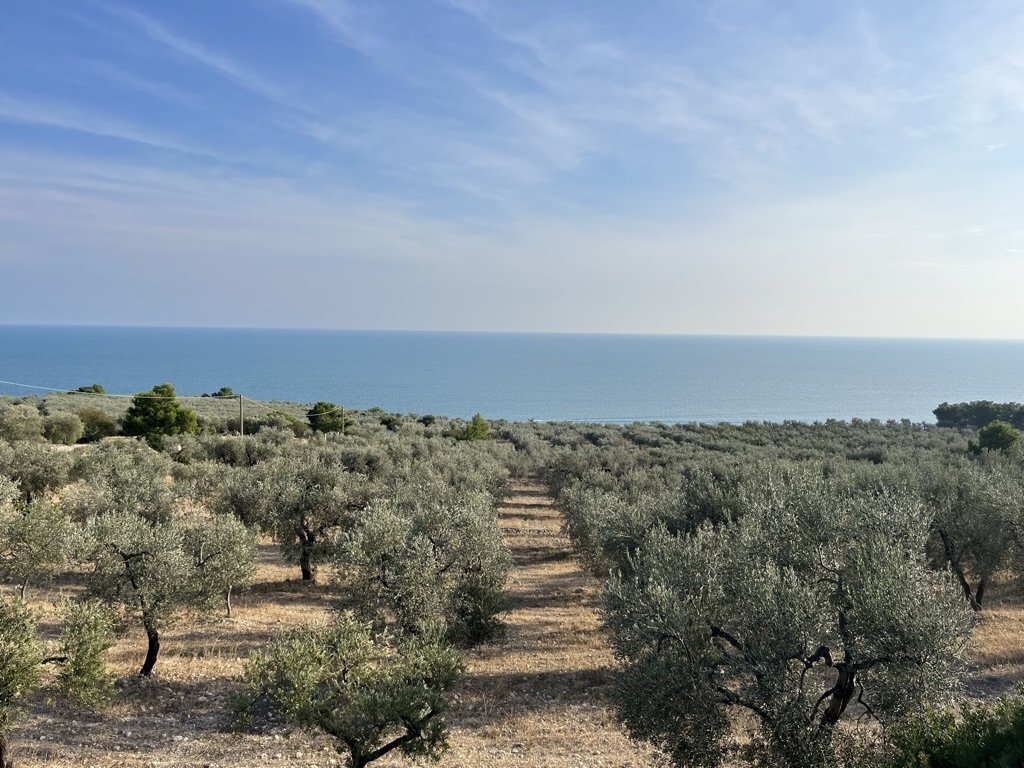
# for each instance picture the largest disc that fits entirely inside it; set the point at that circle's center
(535, 698)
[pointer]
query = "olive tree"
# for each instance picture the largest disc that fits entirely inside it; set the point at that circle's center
(372, 696)
(89, 631)
(37, 540)
(437, 564)
(21, 659)
(144, 568)
(303, 500)
(38, 468)
(97, 424)
(20, 421)
(124, 476)
(975, 508)
(812, 605)
(223, 550)
(63, 428)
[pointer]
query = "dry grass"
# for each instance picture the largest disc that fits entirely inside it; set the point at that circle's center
(535, 698)
(998, 643)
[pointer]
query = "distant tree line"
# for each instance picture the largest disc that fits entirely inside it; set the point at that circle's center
(977, 413)
(158, 413)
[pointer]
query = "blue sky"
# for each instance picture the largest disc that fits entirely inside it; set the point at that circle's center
(716, 167)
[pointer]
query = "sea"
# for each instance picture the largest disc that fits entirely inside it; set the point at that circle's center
(522, 376)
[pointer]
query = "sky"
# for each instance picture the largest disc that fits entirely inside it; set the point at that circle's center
(723, 167)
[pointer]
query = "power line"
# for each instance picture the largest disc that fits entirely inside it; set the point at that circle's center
(703, 418)
(96, 394)
(140, 396)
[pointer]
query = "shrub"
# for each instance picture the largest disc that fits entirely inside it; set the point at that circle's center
(21, 658)
(96, 424)
(983, 736)
(372, 696)
(391, 421)
(20, 422)
(997, 436)
(63, 428)
(88, 633)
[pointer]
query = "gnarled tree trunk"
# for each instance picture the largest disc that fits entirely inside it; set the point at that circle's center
(152, 650)
(842, 694)
(306, 558)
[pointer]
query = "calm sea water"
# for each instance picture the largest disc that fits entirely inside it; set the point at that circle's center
(605, 378)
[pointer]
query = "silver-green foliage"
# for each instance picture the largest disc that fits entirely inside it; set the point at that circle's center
(145, 569)
(223, 550)
(609, 517)
(432, 557)
(978, 512)
(88, 632)
(816, 602)
(126, 476)
(371, 695)
(63, 428)
(304, 500)
(200, 482)
(37, 540)
(37, 467)
(20, 421)
(21, 657)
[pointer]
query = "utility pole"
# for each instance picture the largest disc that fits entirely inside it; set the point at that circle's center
(241, 416)
(343, 421)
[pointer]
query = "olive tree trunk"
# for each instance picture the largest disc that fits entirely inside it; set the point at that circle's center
(152, 650)
(306, 564)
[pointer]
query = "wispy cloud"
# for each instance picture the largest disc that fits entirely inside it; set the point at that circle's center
(677, 162)
(71, 118)
(200, 54)
(121, 77)
(342, 19)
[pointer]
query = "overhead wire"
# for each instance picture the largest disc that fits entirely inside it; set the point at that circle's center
(704, 418)
(143, 396)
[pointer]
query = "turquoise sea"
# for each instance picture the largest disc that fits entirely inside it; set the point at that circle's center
(606, 378)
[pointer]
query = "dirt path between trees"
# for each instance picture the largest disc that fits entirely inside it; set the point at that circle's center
(537, 697)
